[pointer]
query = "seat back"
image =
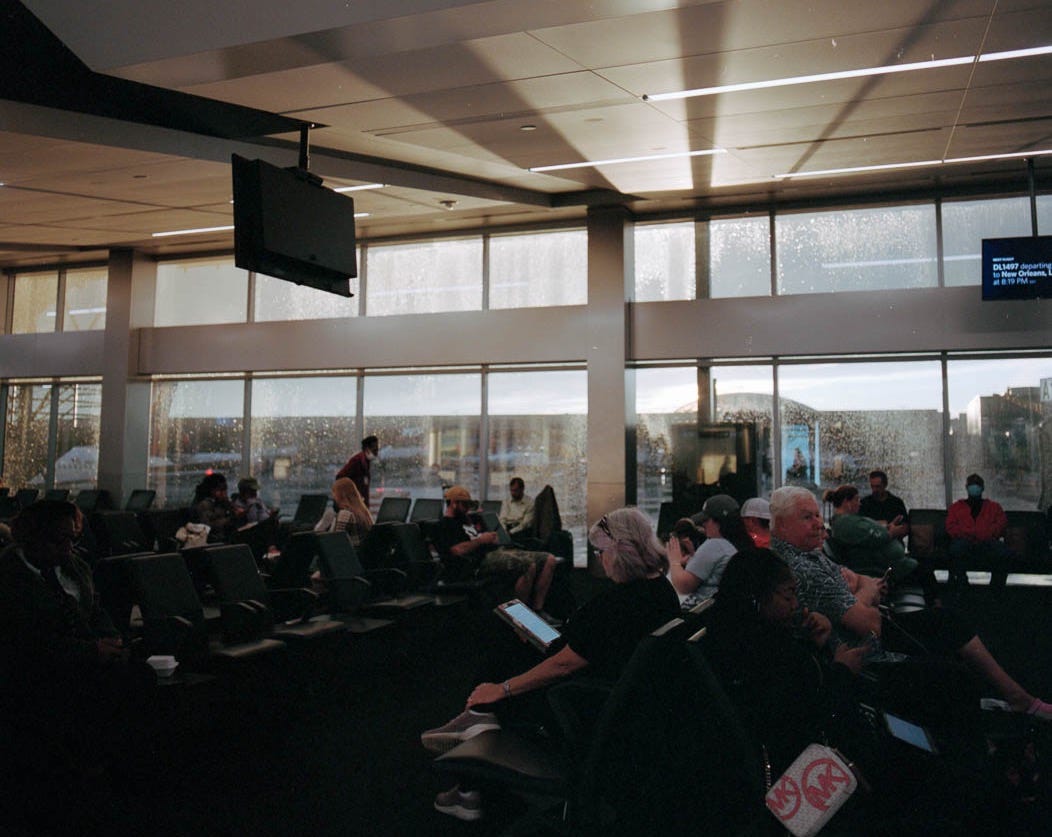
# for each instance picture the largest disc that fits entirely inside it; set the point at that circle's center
(310, 509)
(337, 556)
(342, 571)
(93, 499)
(491, 506)
(140, 499)
(244, 606)
(546, 518)
(60, 494)
(172, 616)
(258, 537)
(160, 526)
(118, 533)
(426, 508)
(26, 497)
(687, 728)
(8, 507)
(927, 538)
(293, 566)
(393, 510)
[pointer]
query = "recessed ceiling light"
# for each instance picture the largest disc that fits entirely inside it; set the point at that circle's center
(192, 232)
(845, 74)
(617, 160)
(527, 127)
(358, 188)
(918, 164)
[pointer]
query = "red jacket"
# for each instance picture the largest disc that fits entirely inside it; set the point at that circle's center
(988, 526)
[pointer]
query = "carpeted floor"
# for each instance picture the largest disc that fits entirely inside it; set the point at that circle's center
(326, 741)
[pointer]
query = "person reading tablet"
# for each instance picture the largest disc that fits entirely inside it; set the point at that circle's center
(599, 638)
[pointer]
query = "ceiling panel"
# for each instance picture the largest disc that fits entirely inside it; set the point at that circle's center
(432, 95)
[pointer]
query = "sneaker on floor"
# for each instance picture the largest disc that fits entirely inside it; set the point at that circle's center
(466, 725)
(464, 805)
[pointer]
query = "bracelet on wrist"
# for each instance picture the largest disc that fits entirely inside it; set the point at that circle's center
(506, 686)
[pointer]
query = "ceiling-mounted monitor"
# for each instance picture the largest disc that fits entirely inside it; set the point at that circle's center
(289, 226)
(1017, 268)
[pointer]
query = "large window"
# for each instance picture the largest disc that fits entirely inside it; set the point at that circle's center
(538, 428)
(665, 261)
(740, 257)
(195, 429)
(302, 433)
(839, 421)
(538, 269)
(871, 249)
(428, 426)
(84, 305)
(745, 395)
(26, 435)
(1001, 426)
(77, 446)
(666, 405)
(425, 277)
(964, 226)
(200, 292)
(277, 299)
(36, 298)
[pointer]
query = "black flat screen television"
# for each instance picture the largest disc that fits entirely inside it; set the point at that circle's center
(289, 226)
(1017, 268)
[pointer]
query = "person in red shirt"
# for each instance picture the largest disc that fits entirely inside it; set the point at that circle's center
(975, 527)
(358, 466)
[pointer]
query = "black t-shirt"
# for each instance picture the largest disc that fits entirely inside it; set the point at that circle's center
(886, 510)
(450, 531)
(607, 628)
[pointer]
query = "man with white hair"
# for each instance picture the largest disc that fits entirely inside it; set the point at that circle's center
(850, 601)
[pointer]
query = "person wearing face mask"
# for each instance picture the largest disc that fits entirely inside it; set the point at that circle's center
(975, 527)
(358, 466)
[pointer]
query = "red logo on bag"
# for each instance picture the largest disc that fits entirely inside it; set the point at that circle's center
(784, 799)
(821, 779)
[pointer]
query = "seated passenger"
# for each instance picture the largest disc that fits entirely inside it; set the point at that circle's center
(849, 600)
(465, 551)
(697, 576)
(862, 544)
(348, 512)
(774, 673)
(976, 528)
(212, 507)
(248, 505)
(516, 510)
(756, 515)
(884, 507)
(61, 661)
(598, 640)
(790, 693)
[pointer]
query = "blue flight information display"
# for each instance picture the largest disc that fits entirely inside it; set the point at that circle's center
(1017, 268)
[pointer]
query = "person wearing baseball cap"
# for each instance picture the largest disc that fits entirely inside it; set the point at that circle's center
(756, 515)
(696, 577)
(466, 550)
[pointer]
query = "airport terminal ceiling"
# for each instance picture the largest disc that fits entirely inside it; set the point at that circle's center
(118, 118)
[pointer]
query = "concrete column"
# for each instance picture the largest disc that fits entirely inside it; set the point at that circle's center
(611, 388)
(125, 434)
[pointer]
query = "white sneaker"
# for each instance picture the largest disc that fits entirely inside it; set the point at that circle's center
(466, 725)
(464, 805)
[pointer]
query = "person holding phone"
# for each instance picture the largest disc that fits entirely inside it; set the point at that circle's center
(599, 638)
(862, 544)
(884, 507)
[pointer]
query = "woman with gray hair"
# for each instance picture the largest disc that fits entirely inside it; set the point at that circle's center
(600, 637)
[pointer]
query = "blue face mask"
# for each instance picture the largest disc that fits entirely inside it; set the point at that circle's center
(975, 491)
